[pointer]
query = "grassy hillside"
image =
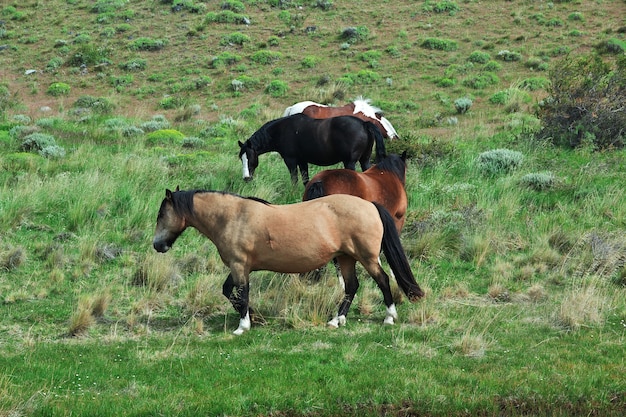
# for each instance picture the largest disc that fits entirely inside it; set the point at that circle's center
(519, 243)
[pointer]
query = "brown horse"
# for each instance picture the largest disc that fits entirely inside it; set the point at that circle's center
(252, 235)
(360, 108)
(383, 183)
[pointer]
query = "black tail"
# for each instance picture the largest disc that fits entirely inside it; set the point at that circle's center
(381, 152)
(313, 190)
(392, 248)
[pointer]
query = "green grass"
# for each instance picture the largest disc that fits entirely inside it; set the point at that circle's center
(524, 313)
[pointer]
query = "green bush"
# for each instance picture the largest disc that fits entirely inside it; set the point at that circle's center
(235, 38)
(479, 57)
(224, 59)
(440, 44)
(482, 80)
(612, 46)
(310, 61)
(538, 181)
(585, 103)
(225, 16)
(462, 104)
(354, 34)
(88, 54)
(147, 44)
(444, 6)
(136, 64)
(535, 83)
(58, 89)
(277, 88)
(506, 55)
(98, 105)
(265, 57)
(165, 137)
(499, 161)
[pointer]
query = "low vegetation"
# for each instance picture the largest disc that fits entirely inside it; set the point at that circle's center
(512, 119)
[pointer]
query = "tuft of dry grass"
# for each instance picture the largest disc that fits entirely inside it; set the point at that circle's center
(499, 293)
(156, 272)
(82, 319)
(12, 259)
(470, 345)
(582, 307)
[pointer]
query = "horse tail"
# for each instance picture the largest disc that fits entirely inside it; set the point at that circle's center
(392, 248)
(314, 190)
(373, 130)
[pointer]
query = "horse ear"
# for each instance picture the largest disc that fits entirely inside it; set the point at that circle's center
(240, 144)
(404, 155)
(178, 188)
(168, 194)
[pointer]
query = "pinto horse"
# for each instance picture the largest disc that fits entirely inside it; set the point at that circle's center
(251, 235)
(300, 140)
(360, 108)
(383, 183)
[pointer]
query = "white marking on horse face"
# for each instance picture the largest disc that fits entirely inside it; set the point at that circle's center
(244, 325)
(246, 169)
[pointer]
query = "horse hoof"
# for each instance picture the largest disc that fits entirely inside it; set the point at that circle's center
(334, 323)
(389, 320)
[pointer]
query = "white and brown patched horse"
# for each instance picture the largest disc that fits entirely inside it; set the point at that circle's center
(360, 108)
(252, 235)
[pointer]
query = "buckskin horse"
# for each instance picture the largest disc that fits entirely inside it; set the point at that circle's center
(251, 235)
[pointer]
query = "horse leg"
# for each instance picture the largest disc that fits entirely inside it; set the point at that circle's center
(348, 269)
(304, 172)
(238, 296)
(351, 165)
(382, 280)
(339, 275)
(365, 163)
(292, 166)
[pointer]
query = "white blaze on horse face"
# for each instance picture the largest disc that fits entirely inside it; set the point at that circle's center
(246, 169)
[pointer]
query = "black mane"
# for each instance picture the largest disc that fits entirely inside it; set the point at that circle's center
(183, 200)
(395, 164)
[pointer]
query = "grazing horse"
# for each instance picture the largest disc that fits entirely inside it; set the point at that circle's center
(300, 140)
(360, 108)
(251, 235)
(383, 183)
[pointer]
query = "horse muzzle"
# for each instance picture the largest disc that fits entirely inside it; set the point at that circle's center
(161, 246)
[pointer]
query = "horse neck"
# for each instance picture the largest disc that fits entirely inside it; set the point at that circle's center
(261, 141)
(211, 211)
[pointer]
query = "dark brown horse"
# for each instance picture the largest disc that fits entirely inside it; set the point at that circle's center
(300, 140)
(360, 108)
(382, 183)
(252, 235)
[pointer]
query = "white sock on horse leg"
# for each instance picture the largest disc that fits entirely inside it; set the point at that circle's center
(337, 321)
(392, 314)
(244, 325)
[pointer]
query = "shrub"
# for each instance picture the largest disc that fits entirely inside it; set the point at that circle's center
(492, 66)
(226, 16)
(506, 55)
(310, 61)
(482, 80)
(535, 83)
(277, 88)
(98, 105)
(479, 57)
(233, 5)
(158, 122)
(245, 81)
(538, 181)
(355, 34)
(54, 64)
(440, 44)
(165, 137)
(265, 57)
(224, 59)
(58, 89)
(88, 54)
(463, 104)
(235, 38)
(444, 6)
(35, 142)
(611, 46)
(499, 161)
(147, 44)
(137, 64)
(585, 103)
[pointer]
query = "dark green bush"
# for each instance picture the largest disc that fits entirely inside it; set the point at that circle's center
(58, 89)
(585, 103)
(440, 44)
(98, 105)
(147, 44)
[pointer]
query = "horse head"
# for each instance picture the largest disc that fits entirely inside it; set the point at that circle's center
(169, 224)
(249, 158)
